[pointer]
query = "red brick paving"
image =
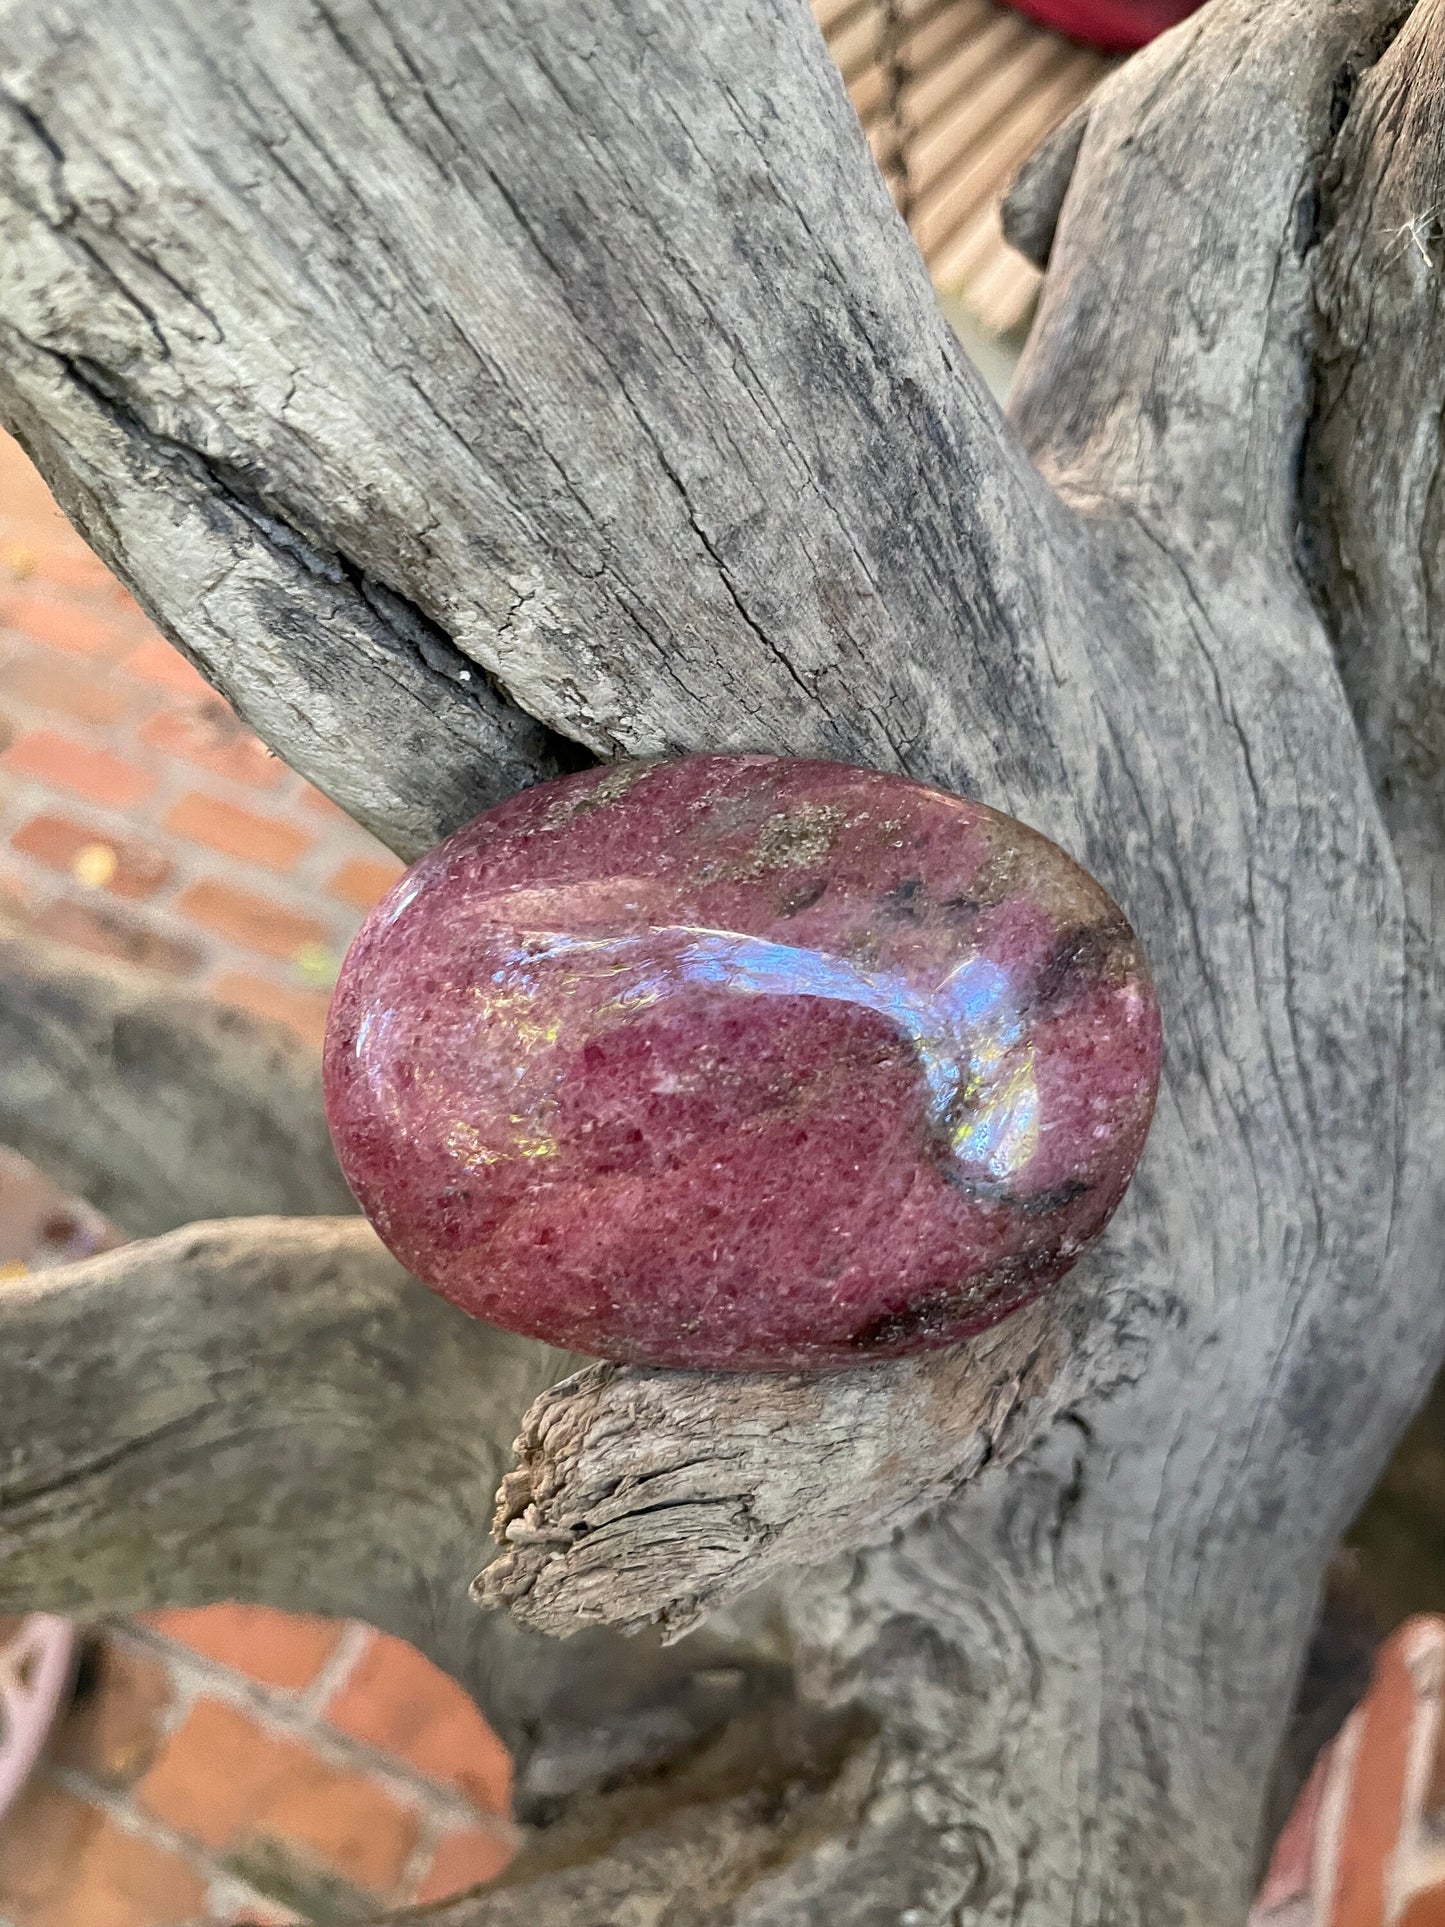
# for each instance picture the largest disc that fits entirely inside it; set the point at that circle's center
(227, 1764)
(464, 1859)
(119, 1721)
(244, 1792)
(1365, 1846)
(395, 1700)
(66, 1863)
(117, 864)
(96, 926)
(155, 661)
(270, 842)
(138, 816)
(362, 880)
(266, 1647)
(63, 763)
(200, 1778)
(57, 688)
(249, 920)
(67, 622)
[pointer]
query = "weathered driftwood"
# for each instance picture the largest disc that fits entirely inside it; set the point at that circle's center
(273, 1390)
(644, 1497)
(1036, 197)
(470, 389)
(275, 1401)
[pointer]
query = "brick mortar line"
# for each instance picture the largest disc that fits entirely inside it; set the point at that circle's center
(144, 700)
(142, 1825)
(172, 929)
(336, 1668)
(287, 802)
(143, 821)
(51, 888)
(164, 902)
(298, 890)
(298, 1715)
(227, 1889)
(176, 773)
(159, 909)
(429, 1836)
(280, 1713)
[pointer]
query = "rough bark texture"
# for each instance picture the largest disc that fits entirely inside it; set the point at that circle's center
(428, 365)
(275, 1394)
(472, 388)
(645, 1496)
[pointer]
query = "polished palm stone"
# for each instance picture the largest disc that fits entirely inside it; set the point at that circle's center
(742, 1062)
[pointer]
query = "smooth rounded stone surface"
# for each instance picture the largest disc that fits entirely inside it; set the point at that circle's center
(742, 1062)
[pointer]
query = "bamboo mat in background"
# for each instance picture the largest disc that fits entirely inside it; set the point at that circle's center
(954, 95)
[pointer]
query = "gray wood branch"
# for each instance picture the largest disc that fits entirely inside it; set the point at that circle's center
(154, 1103)
(1035, 198)
(402, 437)
(1373, 531)
(271, 1398)
(704, 1848)
(274, 1410)
(652, 1497)
(586, 336)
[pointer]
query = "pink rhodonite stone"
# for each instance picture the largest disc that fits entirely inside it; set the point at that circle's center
(742, 1062)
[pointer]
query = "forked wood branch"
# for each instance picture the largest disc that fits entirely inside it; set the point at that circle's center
(274, 1395)
(472, 389)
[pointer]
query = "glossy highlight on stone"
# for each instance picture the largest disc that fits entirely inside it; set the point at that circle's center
(743, 1062)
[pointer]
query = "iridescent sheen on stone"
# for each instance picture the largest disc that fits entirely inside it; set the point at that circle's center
(742, 1062)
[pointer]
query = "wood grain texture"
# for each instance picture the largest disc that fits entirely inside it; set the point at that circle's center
(273, 1394)
(375, 353)
(589, 337)
(669, 1493)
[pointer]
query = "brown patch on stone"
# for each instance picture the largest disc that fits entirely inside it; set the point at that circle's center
(791, 840)
(997, 878)
(1005, 1289)
(619, 779)
(802, 896)
(1028, 864)
(1104, 952)
(797, 838)
(1069, 894)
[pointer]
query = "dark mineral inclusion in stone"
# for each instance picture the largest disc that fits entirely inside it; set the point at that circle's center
(742, 1062)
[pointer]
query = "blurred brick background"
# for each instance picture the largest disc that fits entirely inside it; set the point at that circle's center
(231, 1764)
(137, 816)
(235, 1764)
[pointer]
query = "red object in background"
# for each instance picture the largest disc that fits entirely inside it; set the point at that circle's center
(1362, 1848)
(1114, 26)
